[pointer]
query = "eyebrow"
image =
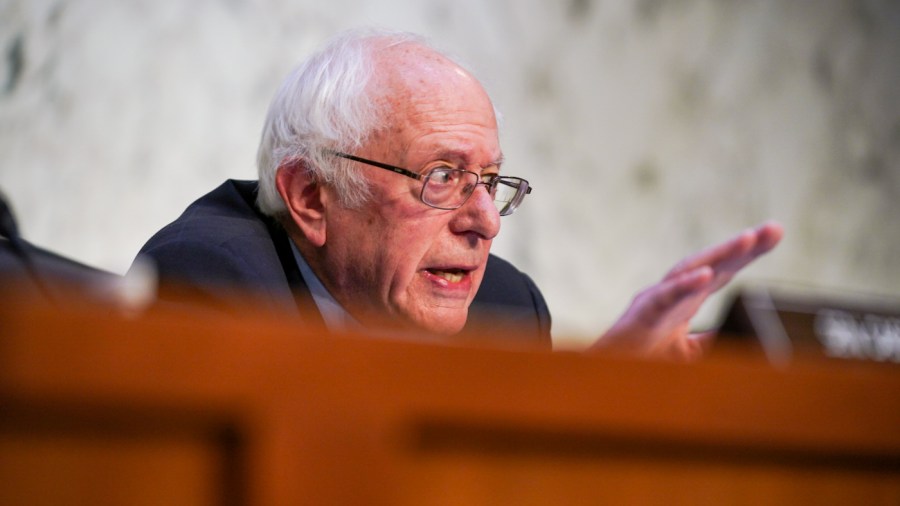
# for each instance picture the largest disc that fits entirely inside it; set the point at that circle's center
(456, 154)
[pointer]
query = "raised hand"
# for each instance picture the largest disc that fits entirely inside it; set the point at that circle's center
(657, 322)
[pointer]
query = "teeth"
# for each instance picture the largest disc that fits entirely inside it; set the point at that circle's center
(453, 277)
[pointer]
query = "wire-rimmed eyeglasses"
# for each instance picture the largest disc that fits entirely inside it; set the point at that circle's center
(449, 188)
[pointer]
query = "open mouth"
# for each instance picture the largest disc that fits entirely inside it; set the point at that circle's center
(451, 275)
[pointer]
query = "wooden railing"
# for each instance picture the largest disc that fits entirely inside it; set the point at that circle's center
(178, 407)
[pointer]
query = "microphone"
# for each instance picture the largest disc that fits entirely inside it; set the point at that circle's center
(7, 220)
(10, 231)
(130, 294)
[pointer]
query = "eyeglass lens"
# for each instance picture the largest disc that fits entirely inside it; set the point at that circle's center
(448, 188)
(508, 194)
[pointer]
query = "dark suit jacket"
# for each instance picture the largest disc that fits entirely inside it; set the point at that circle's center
(223, 248)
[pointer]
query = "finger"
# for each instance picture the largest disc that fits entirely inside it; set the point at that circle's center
(738, 245)
(768, 235)
(731, 256)
(689, 349)
(703, 339)
(682, 347)
(765, 237)
(678, 298)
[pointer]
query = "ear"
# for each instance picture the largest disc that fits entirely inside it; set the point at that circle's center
(304, 200)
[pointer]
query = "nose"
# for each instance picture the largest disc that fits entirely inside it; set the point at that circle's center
(478, 215)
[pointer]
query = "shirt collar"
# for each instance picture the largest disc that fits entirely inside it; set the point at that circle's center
(336, 317)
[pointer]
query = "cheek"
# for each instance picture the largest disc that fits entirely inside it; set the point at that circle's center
(409, 246)
(356, 256)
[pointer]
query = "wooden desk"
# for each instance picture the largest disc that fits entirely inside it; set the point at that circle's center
(191, 409)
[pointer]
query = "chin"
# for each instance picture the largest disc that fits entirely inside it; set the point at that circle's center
(443, 324)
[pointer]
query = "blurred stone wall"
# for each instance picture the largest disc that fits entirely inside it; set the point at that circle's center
(649, 129)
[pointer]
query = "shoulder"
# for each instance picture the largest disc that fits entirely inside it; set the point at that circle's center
(509, 297)
(219, 226)
(221, 241)
(220, 216)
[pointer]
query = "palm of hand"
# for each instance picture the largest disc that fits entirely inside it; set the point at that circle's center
(657, 322)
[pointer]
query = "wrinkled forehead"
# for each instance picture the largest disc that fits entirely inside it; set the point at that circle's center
(411, 66)
(418, 89)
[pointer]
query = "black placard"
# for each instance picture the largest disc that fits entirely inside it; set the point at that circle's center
(788, 326)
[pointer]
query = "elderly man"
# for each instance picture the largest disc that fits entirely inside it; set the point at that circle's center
(380, 191)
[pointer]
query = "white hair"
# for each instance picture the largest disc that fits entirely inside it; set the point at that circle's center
(323, 106)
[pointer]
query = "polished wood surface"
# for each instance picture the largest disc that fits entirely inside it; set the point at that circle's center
(184, 407)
